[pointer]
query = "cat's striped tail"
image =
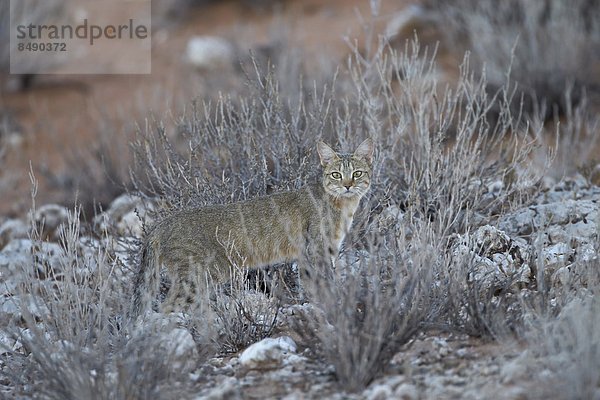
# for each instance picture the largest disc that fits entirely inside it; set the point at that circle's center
(145, 282)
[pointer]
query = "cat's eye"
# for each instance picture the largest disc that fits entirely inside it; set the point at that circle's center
(336, 175)
(357, 174)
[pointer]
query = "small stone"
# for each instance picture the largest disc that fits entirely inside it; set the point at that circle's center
(209, 52)
(10, 306)
(379, 392)
(38, 258)
(228, 388)
(384, 388)
(130, 225)
(513, 371)
(462, 353)
(406, 391)
(49, 218)
(496, 259)
(8, 343)
(268, 353)
(180, 343)
(12, 229)
(126, 216)
(556, 255)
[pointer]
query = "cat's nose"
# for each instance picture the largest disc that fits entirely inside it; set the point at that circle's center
(348, 186)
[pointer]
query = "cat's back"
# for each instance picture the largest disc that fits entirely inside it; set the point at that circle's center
(271, 210)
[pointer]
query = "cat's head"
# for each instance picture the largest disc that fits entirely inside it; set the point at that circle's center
(346, 175)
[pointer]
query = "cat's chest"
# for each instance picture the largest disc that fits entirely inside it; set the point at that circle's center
(343, 223)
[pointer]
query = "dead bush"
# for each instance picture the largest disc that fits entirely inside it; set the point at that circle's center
(544, 47)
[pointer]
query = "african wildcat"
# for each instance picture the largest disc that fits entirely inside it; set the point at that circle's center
(262, 231)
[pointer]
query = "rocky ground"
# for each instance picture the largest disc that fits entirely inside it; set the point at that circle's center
(558, 229)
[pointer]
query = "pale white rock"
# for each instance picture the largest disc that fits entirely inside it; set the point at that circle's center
(462, 353)
(574, 273)
(123, 204)
(268, 353)
(228, 388)
(102, 222)
(125, 216)
(64, 350)
(10, 305)
(123, 248)
(520, 222)
(568, 212)
(12, 229)
(585, 231)
(384, 388)
(8, 343)
(390, 222)
(556, 255)
(29, 334)
(586, 252)
(130, 225)
(556, 195)
(14, 261)
(91, 253)
(9, 284)
(294, 360)
(153, 321)
(497, 259)
(209, 52)
(379, 392)
(581, 232)
(180, 343)
(406, 391)
(36, 307)
(175, 340)
(514, 370)
(495, 186)
(20, 255)
(442, 347)
(50, 217)
(567, 229)
(563, 276)
(557, 234)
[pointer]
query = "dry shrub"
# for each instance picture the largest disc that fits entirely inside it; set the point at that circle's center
(442, 158)
(548, 46)
(562, 321)
(94, 177)
(240, 147)
(370, 306)
(448, 166)
(244, 313)
(70, 335)
(575, 133)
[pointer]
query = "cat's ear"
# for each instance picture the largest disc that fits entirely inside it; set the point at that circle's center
(365, 150)
(326, 153)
